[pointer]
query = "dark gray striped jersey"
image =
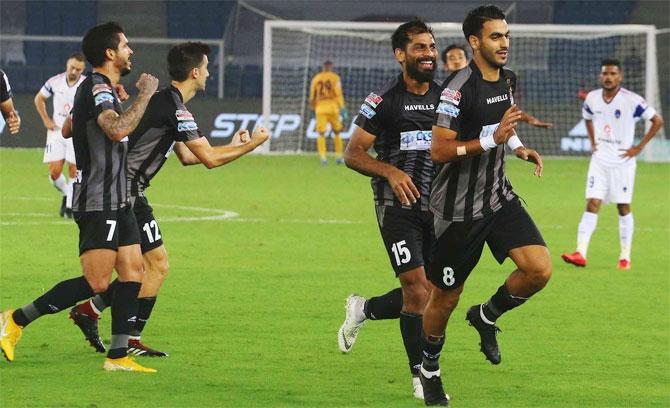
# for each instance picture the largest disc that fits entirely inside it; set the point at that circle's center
(5, 89)
(474, 187)
(402, 123)
(165, 122)
(101, 162)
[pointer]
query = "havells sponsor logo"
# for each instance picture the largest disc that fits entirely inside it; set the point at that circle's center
(496, 99)
(419, 107)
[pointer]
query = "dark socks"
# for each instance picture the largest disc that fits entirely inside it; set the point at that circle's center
(383, 307)
(144, 308)
(432, 348)
(124, 315)
(104, 300)
(65, 294)
(500, 303)
(410, 328)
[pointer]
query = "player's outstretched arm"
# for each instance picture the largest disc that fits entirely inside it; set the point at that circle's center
(356, 157)
(445, 147)
(656, 124)
(200, 151)
(116, 126)
(11, 116)
(41, 107)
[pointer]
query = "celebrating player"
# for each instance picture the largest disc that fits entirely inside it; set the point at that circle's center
(327, 102)
(9, 114)
(108, 234)
(397, 121)
(58, 150)
(166, 123)
(472, 199)
(610, 114)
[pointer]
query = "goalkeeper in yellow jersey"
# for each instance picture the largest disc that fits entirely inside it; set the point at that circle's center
(327, 102)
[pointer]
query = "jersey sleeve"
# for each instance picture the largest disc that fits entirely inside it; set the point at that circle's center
(642, 110)
(47, 89)
(5, 89)
(449, 110)
(103, 96)
(587, 109)
(370, 114)
(186, 129)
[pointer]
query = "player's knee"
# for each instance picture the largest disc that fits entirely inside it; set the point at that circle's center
(539, 273)
(624, 209)
(157, 268)
(98, 285)
(593, 206)
(54, 173)
(414, 297)
(447, 300)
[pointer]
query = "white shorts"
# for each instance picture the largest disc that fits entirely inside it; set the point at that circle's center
(611, 184)
(58, 148)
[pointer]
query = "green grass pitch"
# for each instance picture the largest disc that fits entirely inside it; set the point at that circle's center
(250, 311)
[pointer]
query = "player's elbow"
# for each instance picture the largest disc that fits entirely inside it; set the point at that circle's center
(439, 155)
(657, 120)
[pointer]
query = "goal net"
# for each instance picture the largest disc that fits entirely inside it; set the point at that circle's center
(554, 64)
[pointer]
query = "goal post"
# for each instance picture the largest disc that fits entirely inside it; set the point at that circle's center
(553, 63)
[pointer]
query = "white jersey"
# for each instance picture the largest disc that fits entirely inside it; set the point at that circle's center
(63, 95)
(614, 123)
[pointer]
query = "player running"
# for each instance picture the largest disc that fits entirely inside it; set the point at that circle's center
(396, 120)
(472, 199)
(167, 124)
(108, 235)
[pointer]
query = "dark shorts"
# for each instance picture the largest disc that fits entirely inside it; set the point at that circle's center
(150, 232)
(459, 245)
(407, 235)
(106, 229)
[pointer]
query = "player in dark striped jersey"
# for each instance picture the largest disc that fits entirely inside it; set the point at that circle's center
(166, 125)
(472, 199)
(108, 235)
(396, 120)
(7, 110)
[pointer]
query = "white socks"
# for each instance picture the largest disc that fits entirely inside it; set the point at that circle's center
(586, 227)
(68, 195)
(60, 183)
(626, 227)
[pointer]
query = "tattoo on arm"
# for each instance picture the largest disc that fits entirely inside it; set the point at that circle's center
(119, 126)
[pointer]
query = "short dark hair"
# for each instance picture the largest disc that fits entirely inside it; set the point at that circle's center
(184, 57)
(611, 61)
(401, 36)
(98, 39)
(77, 56)
(453, 47)
(474, 21)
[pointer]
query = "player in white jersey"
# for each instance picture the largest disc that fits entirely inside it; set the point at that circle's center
(62, 88)
(611, 113)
